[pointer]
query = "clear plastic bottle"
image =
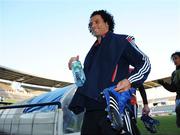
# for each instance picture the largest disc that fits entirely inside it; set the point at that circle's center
(78, 73)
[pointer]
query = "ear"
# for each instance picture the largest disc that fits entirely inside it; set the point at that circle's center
(107, 25)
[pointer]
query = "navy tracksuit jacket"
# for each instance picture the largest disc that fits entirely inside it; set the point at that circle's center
(108, 63)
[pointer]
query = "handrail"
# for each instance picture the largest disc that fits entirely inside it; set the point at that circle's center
(5, 103)
(31, 105)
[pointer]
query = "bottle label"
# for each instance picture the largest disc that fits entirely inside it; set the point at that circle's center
(78, 73)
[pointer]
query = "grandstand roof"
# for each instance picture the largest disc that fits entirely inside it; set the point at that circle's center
(154, 83)
(13, 75)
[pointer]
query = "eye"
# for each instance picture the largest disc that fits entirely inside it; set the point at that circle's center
(97, 21)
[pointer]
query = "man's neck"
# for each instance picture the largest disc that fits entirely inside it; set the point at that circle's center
(99, 39)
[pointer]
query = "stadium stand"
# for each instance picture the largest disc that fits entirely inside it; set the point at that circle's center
(159, 106)
(29, 85)
(163, 109)
(10, 94)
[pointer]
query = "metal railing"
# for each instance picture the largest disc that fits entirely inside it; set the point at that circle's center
(5, 103)
(31, 105)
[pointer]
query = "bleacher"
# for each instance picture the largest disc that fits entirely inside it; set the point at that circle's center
(29, 85)
(159, 110)
(163, 109)
(9, 94)
(6, 86)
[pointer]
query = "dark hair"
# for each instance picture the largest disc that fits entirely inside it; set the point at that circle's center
(176, 53)
(107, 17)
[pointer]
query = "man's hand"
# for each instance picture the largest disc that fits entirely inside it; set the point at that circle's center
(123, 85)
(71, 60)
(146, 109)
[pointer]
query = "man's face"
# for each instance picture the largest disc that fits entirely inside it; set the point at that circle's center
(176, 60)
(98, 26)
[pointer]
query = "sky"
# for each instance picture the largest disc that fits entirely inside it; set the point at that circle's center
(38, 37)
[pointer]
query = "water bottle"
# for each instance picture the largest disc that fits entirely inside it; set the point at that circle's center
(78, 73)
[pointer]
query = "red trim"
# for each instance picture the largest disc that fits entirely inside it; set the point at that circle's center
(114, 73)
(133, 100)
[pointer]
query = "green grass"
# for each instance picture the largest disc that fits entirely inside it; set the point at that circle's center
(10, 100)
(167, 126)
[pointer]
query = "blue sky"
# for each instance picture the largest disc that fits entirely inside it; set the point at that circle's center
(39, 36)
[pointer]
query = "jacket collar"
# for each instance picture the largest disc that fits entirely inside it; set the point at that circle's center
(102, 38)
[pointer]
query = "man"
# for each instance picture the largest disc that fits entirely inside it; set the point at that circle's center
(106, 64)
(174, 86)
